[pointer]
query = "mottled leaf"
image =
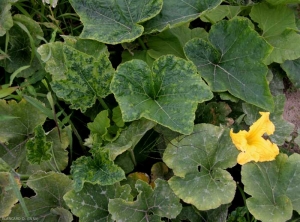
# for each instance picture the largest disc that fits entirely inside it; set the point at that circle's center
(198, 162)
(14, 132)
(129, 137)
(59, 160)
(133, 178)
(277, 31)
(6, 21)
(38, 149)
(98, 169)
(7, 195)
(114, 22)
(150, 205)
(283, 128)
(99, 126)
(50, 189)
(168, 94)
(177, 12)
(86, 79)
(274, 188)
(234, 63)
(91, 203)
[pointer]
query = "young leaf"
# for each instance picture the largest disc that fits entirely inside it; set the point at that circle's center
(177, 12)
(283, 128)
(150, 205)
(59, 160)
(50, 189)
(209, 148)
(15, 131)
(38, 149)
(233, 62)
(114, 22)
(291, 68)
(129, 137)
(91, 203)
(7, 196)
(99, 126)
(277, 31)
(168, 94)
(273, 187)
(97, 170)
(86, 79)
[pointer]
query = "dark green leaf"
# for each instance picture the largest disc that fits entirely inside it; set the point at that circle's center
(234, 63)
(177, 12)
(291, 68)
(114, 22)
(150, 204)
(168, 94)
(91, 203)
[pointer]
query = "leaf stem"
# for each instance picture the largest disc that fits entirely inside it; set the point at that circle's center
(103, 104)
(142, 43)
(244, 200)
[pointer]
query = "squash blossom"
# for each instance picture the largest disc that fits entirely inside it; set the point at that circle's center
(253, 146)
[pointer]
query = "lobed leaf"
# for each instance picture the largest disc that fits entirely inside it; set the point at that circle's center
(50, 189)
(291, 68)
(91, 203)
(197, 161)
(114, 22)
(168, 94)
(97, 170)
(233, 63)
(273, 187)
(86, 79)
(150, 205)
(176, 12)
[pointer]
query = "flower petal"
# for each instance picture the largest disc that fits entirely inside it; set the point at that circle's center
(261, 126)
(239, 139)
(266, 150)
(249, 155)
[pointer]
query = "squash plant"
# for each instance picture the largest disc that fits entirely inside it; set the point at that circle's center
(123, 110)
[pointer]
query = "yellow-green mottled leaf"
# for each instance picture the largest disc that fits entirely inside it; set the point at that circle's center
(168, 94)
(86, 79)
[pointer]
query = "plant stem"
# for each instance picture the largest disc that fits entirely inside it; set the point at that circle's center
(142, 43)
(103, 104)
(132, 156)
(244, 200)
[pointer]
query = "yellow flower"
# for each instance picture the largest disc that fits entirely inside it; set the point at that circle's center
(253, 146)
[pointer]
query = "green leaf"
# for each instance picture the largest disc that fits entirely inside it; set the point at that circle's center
(277, 31)
(97, 170)
(283, 128)
(171, 41)
(91, 203)
(86, 79)
(20, 46)
(15, 131)
(129, 137)
(99, 126)
(273, 187)
(198, 162)
(133, 178)
(117, 116)
(6, 21)
(50, 189)
(150, 205)
(170, 15)
(59, 160)
(279, 2)
(234, 63)
(137, 54)
(7, 91)
(114, 22)
(215, 113)
(7, 196)
(220, 12)
(168, 94)
(291, 68)
(38, 149)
